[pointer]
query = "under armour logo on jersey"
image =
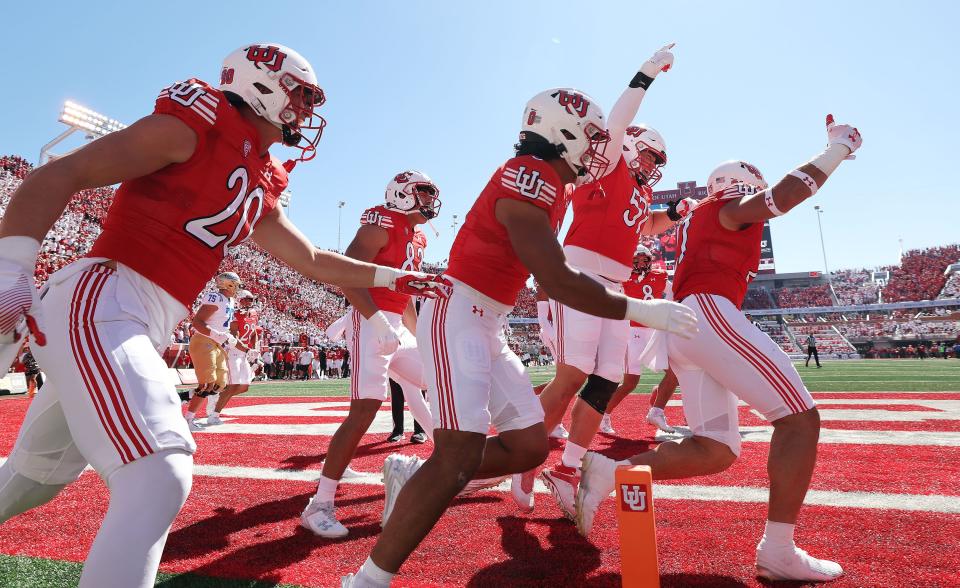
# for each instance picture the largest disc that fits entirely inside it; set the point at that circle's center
(633, 497)
(269, 57)
(477, 310)
(529, 184)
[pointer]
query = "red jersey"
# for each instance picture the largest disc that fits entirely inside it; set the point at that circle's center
(246, 324)
(174, 226)
(650, 287)
(482, 256)
(404, 250)
(712, 259)
(608, 222)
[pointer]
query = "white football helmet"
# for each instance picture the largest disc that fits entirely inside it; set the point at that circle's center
(247, 297)
(280, 86)
(640, 138)
(735, 178)
(229, 282)
(572, 122)
(640, 265)
(413, 191)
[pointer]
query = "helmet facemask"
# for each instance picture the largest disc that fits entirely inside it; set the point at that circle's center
(642, 263)
(300, 122)
(428, 206)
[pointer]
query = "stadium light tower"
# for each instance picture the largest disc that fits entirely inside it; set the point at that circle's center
(823, 248)
(454, 225)
(79, 119)
(340, 206)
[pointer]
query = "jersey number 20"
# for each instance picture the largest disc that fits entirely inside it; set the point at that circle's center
(239, 180)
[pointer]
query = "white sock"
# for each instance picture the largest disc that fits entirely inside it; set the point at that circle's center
(573, 455)
(190, 415)
(371, 576)
(148, 492)
(214, 414)
(326, 489)
(777, 535)
(212, 403)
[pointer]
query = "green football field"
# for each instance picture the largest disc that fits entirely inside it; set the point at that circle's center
(932, 375)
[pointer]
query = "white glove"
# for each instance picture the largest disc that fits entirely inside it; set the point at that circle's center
(662, 60)
(845, 135)
(19, 301)
(663, 315)
(253, 355)
(388, 337)
(223, 338)
(411, 283)
(547, 332)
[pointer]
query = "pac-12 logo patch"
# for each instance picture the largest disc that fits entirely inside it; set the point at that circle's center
(633, 498)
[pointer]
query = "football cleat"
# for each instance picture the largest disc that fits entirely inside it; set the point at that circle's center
(559, 432)
(597, 475)
(521, 488)
(320, 519)
(658, 419)
(395, 438)
(563, 481)
(793, 563)
(397, 469)
(194, 425)
(214, 419)
(418, 438)
(606, 426)
(347, 581)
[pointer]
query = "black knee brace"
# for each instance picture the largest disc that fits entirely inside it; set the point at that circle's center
(597, 392)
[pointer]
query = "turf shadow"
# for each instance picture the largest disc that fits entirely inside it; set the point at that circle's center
(567, 560)
(212, 534)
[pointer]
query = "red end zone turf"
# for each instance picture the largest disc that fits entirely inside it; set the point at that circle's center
(248, 528)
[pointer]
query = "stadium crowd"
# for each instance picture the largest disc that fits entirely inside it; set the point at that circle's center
(296, 310)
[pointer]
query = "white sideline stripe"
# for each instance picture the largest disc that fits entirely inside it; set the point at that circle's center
(871, 500)
(937, 503)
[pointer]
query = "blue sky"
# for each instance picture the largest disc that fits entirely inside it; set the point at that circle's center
(440, 86)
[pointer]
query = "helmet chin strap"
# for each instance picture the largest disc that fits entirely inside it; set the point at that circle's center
(436, 233)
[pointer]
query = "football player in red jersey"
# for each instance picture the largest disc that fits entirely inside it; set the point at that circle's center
(239, 371)
(730, 359)
(609, 216)
(645, 347)
(380, 342)
(196, 177)
(473, 378)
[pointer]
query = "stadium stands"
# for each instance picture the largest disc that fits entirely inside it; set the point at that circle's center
(854, 287)
(920, 274)
(293, 306)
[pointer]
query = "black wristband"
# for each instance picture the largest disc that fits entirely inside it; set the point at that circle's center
(641, 80)
(672, 213)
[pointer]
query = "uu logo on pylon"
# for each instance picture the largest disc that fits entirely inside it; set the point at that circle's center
(633, 497)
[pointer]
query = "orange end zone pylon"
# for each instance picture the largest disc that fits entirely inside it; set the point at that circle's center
(638, 530)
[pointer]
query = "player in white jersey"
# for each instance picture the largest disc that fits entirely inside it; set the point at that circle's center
(239, 371)
(211, 340)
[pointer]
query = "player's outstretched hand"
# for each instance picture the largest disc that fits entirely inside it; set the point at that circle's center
(663, 315)
(19, 304)
(421, 284)
(845, 135)
(662, 60)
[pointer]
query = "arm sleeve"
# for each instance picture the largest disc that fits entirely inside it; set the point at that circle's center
(621, 116)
